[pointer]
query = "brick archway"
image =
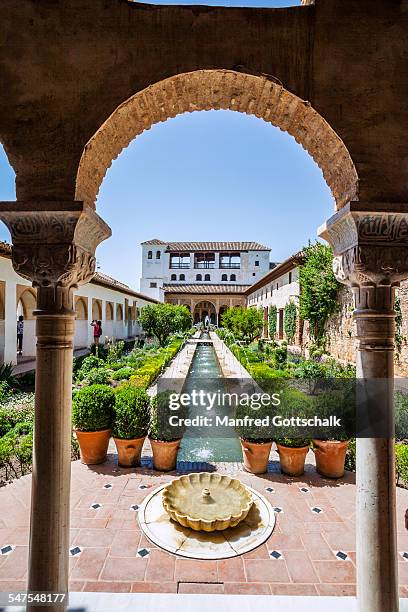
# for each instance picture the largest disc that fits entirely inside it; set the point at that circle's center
(218, 89)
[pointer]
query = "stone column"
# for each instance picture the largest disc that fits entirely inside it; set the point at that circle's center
(53, 246)
(10, 322)
(370, 249)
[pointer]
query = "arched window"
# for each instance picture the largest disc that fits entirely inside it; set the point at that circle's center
(207, 277)
(158, 254)
(233, 277)
(199, 277)
(173, 277)
(182, 277)
(150, 255)
(224, 277)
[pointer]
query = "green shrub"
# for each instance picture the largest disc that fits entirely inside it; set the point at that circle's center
(401, 415)
(115, 350)
(253, 432)
(132, 413)
(7, 375)
(5, 392)
(89, 363)
(401, 462)
(160, 428)
(340, 403)
(280, 356)
(92, 408)
(350, 463)
(123, 373)
(294, 403)
(98, 376)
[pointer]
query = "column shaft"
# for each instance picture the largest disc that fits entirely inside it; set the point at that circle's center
(49, 524)
(377, 578)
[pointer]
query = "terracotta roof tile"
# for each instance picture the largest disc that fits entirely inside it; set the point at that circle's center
(209, 246)
(208, 289)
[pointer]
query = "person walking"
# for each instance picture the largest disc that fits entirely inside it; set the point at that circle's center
(20, 334)
(97, 331)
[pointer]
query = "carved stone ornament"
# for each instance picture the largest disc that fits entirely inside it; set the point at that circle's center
(54, 247)
(370, 247)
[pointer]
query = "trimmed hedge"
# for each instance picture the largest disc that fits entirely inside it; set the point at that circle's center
(131, 413)
(92, 408)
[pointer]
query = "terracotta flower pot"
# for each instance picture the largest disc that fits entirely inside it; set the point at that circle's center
(129, 451)
(256, 456)
(330, 456)
(292, 459)
(165, 454)
(93, 445)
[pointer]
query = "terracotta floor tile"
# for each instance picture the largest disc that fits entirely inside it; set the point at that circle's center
(317, 547)
(108, 587)
(200, 588)
(284, 541)
(341, 540)
(76, 586)
(125, 543)
(300, 567)
(231, 570)
(337, 590)
(246, 588)
(266, 571)
(403, 572)
(154, 587)
(258, 553)
(15, 566)
(160, 566)
(126, 569)
(294, 589)
(342, 572)
(191, 570)
(89, 564)
(94, 538)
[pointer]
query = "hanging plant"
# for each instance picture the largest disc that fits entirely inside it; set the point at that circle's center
(318, 289)
(273, 317)
(398, 338)
(289, 321)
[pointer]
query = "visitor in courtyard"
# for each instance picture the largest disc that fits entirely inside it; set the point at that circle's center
(20, 334)
(97, 331)
(207, 322)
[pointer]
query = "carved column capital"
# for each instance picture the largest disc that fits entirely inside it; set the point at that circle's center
(54, 247)
(370, 245)
(370, 248)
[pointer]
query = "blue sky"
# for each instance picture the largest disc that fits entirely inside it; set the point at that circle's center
(214, 175)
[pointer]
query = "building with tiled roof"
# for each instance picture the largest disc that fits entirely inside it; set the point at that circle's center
(184, 272)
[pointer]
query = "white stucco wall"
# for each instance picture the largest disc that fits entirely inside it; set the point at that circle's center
(11, 282)
(157, 271)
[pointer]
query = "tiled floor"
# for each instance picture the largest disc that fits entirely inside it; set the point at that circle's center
(311, 551)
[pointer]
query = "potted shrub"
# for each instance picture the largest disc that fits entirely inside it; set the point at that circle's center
(131, 423)
(293, 444)
(164, 438)
(292, 454)
(92, 412)
(330, 447)
(256, 440)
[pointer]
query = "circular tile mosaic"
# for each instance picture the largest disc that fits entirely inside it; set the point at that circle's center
(165, 533)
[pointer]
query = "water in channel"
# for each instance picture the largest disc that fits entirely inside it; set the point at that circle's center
(208, 443)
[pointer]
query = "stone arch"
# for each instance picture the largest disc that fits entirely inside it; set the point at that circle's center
(218, 89)
(81, 308)
(109, 311)
(27, 301)
(97, 309)
(119, 312)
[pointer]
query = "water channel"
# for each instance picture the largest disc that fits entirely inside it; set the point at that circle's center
(208, 443)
